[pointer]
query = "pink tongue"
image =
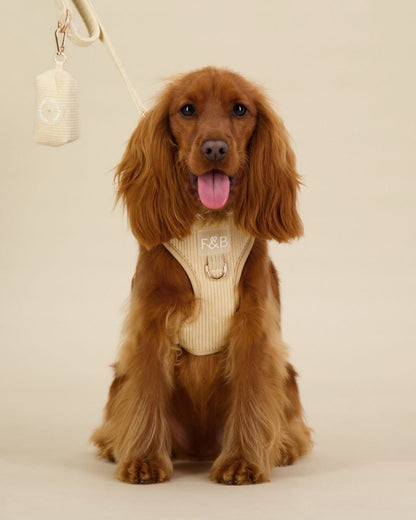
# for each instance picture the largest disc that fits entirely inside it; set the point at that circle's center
(213, 189)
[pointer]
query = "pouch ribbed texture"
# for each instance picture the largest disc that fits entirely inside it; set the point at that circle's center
(56, 118)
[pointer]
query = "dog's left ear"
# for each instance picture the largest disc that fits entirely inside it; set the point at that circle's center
(266, 205)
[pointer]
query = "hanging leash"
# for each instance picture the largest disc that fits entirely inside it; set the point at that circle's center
(57, 119)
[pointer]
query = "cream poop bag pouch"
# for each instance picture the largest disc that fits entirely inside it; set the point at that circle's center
(57, 112)
(56, 116)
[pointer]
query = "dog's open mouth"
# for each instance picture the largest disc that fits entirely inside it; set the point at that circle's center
(213, 188)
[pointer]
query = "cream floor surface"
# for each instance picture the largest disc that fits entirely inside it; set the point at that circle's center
(362, 467)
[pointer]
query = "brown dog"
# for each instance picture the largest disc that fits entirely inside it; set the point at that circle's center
(203, 372)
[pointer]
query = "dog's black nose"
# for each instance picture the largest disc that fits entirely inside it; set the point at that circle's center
(214, 150)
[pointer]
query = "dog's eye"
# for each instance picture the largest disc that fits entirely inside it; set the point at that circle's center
(188, 111)
(239, 110)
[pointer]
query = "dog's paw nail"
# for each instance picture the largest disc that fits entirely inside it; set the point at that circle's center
(238, 472)
(139, 471)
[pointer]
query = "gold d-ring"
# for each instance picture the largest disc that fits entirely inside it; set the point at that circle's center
(213, 276)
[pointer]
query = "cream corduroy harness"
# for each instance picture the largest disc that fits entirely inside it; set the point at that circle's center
(213, 256)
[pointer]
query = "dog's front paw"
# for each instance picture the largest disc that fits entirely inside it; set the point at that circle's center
(142, 471)
(237, 472)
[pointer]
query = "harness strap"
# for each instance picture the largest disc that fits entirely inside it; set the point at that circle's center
(95, 31)
(213, 256)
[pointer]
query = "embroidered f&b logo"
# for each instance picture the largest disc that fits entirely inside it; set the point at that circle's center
(213, 242)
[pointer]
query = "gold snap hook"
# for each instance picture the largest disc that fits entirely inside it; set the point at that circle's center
(60, 46)
(62, 29)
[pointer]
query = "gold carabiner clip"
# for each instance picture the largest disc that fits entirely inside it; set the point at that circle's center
(62, 29)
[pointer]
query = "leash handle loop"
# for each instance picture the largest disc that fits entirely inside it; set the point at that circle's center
(96, 32)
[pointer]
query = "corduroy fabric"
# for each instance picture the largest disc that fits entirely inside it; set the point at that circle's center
(216, 299)
(56, 120)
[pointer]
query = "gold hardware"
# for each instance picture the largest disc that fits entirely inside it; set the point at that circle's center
(213, 276)
(64, 27)
(63, 30)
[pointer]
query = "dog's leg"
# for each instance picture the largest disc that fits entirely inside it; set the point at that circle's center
(136, 431)
(257, 371)
(253, 436)
(297, 436)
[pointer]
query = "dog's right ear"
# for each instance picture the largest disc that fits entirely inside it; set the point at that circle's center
(149, 181)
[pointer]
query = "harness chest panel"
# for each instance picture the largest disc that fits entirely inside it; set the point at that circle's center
(213, 256)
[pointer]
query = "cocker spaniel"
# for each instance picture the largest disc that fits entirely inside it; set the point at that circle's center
(207, 178)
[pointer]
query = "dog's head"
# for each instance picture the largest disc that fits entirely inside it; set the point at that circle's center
(211, 143)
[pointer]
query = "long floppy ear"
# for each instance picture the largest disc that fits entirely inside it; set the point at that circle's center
(149, 181)
(266, 206)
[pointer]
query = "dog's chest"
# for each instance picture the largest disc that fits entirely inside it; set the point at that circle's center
(213, 256)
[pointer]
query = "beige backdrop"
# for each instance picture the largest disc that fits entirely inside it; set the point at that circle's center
(343, 78)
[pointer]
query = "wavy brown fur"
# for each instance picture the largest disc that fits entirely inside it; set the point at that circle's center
(240, 406)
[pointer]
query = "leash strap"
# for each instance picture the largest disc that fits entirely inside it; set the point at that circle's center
(96, 32)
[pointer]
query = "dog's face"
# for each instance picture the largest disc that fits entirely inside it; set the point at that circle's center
(211, 143)
(212, 118)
